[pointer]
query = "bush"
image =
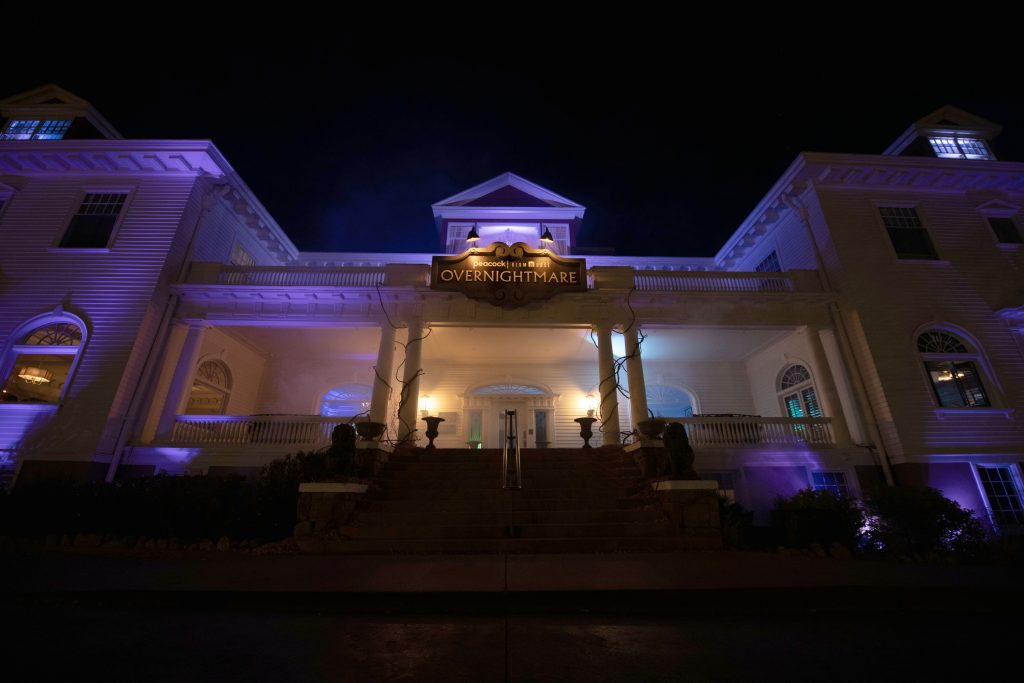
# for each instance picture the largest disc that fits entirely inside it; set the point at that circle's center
(817, 517)
(187, 508)
(737, 525)
(918, 520)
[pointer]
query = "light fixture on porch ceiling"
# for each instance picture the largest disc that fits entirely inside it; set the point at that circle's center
(473, 236)
(35, 375)
(546, 238)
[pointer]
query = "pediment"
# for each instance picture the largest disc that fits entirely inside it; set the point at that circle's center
(998, 207)
(952, 119)
(508, 190)
(49, 95)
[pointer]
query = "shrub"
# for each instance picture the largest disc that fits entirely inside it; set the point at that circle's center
(817, 517)
(918, 520)
(737, 525)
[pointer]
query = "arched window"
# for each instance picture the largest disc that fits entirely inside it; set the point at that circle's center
(211, 389)
(952, 367)
(347, 400)
(39, 363)
(797, 393)
(668, 401)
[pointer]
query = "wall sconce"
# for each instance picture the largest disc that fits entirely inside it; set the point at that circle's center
(473, 236)
(546, 238)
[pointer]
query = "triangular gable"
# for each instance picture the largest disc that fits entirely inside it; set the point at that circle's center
(509, 196)
(54, 101)
(954, 118)
(947, 120)
(49, 94)
(508, 191)
(997, 207)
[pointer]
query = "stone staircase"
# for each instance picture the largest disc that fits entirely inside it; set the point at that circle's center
(451, 501)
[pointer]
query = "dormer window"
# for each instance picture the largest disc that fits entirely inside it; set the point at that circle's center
(35, 129)
(959, 148)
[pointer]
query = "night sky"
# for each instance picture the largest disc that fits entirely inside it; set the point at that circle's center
(348, 141)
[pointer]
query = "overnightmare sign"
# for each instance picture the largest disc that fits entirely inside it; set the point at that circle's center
(508, 276)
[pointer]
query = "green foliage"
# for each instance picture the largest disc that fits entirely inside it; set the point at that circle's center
(919, 520)
(817, 517)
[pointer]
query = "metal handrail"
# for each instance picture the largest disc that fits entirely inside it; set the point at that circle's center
(511, 479)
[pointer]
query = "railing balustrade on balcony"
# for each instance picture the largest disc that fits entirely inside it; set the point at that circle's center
(711, 281)
(311, 431)
(284, 276)
(758, 431)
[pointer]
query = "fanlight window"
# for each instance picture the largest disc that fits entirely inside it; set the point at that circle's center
(796, 390)
(668, 401)
(210, 389)
(952, 370)
(508, 390)
(348, 400)
(41, 363)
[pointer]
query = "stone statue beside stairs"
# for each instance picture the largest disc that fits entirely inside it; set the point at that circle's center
(680, 458)
(341, 454)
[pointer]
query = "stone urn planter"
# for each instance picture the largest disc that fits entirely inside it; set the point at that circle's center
(651, 430)
(586, 432)
(432, 432)
(370, 431)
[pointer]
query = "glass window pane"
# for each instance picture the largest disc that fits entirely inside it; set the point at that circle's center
(37, 377)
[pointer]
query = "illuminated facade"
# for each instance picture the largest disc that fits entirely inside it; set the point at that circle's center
(861, 325)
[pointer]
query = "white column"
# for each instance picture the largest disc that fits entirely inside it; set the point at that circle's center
(608, 387)
(635, 374)
(408, 412)
(383, 371)
(181, 383)
(827, 385)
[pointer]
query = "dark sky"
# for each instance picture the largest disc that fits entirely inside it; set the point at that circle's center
(348, 140)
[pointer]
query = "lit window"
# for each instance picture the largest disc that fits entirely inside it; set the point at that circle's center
(348, 400)
(1005, 230)
(796, 390)
(1003, 495)
(833, 482)
(26, 129)
(211, 389)
(952, 370)
(457, 239)
(908, 235)
(560, 234)
(769, 264)
(40, 363)
(960, 148)
(93, 224)
(669, 402)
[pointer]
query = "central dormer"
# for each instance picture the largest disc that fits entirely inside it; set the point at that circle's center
(948, 133)
(508, 208)
(52, 113)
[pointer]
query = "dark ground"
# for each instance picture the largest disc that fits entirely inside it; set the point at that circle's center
(715, 616)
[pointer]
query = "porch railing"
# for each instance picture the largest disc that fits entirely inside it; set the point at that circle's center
(311, 431)
(711, 281)
(284, 276)
(758, 431)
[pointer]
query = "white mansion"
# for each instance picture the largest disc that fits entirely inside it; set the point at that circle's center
(861, 326)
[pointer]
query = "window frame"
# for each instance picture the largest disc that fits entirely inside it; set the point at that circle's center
(849, 481)
(956, 138)
(986, 376)
(13, 349)
(1016, 479)
(40, 122)
(798, 390)
(925, 226)
(224, 391)
(127, 191)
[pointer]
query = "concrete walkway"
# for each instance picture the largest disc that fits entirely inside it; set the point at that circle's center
(85, 571)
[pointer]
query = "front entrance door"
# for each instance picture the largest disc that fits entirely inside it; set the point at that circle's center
(525, 428)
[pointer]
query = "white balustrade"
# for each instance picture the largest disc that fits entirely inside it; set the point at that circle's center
(758, 431)
(298, 276)
(304, 430)
(712, 281)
